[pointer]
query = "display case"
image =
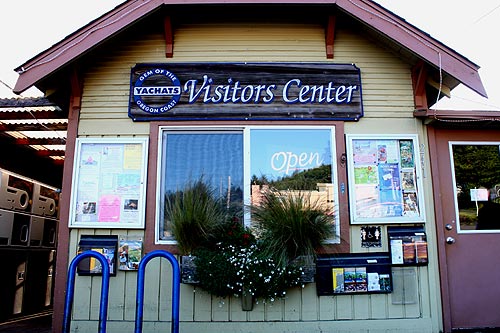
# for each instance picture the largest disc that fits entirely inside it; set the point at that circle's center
(408, 245)
(353, 273)
(384, 179)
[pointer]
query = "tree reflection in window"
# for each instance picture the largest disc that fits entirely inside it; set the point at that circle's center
(477, 184)
(215, 158)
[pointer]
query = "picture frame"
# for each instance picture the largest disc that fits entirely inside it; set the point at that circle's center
(109, 183)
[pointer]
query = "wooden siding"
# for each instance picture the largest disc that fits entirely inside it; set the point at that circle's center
(388, 105)
(386, 81)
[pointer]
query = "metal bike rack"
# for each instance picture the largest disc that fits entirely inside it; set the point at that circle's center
(175, 289)
(70, 290)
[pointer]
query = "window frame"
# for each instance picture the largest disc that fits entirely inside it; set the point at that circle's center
(77, 176)
(454, 184)
(355, 220)
(245, 130)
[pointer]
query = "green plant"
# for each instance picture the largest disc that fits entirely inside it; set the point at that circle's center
(236, 266)
(194, 213)
(290, 224)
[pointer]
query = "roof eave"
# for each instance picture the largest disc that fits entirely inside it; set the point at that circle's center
(413, 39)
(371, 14)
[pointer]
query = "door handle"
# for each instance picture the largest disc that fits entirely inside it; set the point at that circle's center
(450, 240)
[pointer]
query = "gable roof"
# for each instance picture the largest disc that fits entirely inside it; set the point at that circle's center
(384, 22)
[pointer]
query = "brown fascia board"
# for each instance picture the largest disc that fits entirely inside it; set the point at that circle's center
(413, 39)
(482, 115)
(366, 11)
(80, 42)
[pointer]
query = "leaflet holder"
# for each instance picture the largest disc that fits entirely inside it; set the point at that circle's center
(104, 244)
(353, 273)
(408, 245)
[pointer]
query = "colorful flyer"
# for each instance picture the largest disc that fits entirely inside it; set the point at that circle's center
(407, 153)
(130, 254)
(365, 152)
(388, 175)
(365, 175)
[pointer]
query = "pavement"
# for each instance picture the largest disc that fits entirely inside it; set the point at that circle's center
(39, 323)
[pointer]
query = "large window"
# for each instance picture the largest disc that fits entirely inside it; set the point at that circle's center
(238, 164)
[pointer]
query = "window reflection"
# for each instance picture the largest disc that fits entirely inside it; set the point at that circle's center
(215, 159)
(296, 162)
(477, 183)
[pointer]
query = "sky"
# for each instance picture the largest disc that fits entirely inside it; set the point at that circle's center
(28, 27)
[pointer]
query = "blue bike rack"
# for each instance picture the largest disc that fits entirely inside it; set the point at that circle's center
(176, 282)
(70, 290)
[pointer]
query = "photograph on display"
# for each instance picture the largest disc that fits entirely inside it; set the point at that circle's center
(383, 176)
(408, 180)
(361, 279)
(109, 183)
(129, 254)
(406, 151)
(350, 279)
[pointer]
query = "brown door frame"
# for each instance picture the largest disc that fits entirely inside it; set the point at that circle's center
(439, 199)
(438, 139)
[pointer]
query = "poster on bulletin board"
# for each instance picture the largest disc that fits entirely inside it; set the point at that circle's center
(384, 179)
(109, 183)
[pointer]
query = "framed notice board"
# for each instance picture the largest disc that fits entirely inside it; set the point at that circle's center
(109, 183)
(384, 179)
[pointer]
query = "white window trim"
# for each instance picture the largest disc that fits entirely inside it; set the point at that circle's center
(455, 193)
(351, 182)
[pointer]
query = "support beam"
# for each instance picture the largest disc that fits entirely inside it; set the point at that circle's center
(330, 36)
(169, 37)
(419, 76)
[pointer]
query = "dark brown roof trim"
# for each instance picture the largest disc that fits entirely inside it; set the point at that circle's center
(455, 119)
(366, 11)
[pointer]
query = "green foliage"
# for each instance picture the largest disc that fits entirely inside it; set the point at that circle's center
(476, 166)
(238, 270)
(290, 225)
(302, 180)
(194, 213)
(229, 259)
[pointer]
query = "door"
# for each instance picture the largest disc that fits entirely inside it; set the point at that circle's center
(466, 176)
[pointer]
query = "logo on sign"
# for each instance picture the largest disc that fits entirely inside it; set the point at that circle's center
(157, 91)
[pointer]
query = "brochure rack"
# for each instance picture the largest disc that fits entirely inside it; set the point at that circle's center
(360, 273)
(105, 245)
(408, 245)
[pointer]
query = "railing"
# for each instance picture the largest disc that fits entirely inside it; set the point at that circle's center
(175, 289)
(70, 290)
(103, 310)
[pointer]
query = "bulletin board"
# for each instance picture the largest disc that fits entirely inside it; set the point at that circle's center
(384, 179)
(109, 183)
